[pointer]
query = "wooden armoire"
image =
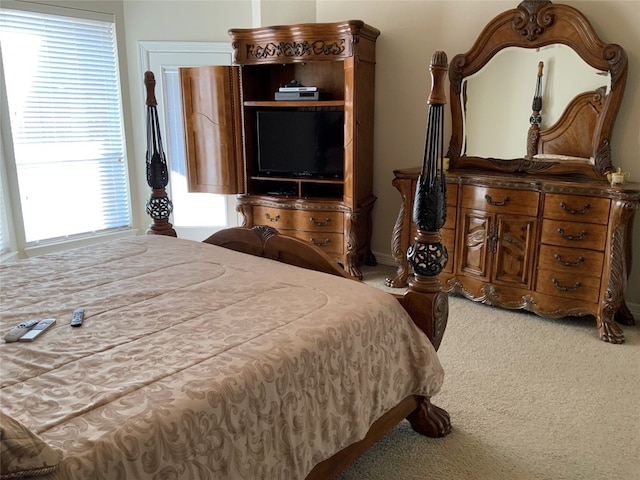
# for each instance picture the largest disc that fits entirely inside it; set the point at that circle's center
(233, 131)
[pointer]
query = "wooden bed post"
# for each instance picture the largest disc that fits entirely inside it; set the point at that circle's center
(427, 255)
(159, 205)
(425, 299)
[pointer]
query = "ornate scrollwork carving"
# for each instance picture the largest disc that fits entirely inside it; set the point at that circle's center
(617, 58)
(295, 49)
(264, 232)
(618, 276)
(531, 20)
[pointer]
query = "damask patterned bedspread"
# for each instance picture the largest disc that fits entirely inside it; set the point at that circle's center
(197, 362)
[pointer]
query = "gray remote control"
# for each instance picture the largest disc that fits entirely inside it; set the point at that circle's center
(16, 332)
(38, 330)
(77, 317)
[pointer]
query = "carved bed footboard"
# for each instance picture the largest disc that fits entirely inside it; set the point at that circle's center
(428, 310)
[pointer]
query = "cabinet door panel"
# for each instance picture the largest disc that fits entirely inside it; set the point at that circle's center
(474, 248)
(514, 252)
(212, 125)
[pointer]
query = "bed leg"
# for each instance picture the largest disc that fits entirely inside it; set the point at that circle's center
(430, 420)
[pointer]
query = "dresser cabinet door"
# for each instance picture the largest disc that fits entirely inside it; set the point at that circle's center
(497, 235)
(474, 248)
(514, 250)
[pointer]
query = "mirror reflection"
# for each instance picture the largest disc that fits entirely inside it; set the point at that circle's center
(498, 98)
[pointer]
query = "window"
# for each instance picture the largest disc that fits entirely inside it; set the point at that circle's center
(67, 142)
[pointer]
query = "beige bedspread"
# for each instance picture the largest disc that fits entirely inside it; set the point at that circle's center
(197, 362)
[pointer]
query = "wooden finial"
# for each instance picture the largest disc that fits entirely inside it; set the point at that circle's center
(150, 83)
(438, 68)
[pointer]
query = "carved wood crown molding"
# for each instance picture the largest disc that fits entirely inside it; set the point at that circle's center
(529, 21)
(295, 49)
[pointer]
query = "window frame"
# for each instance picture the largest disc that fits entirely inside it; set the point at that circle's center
(18, 244)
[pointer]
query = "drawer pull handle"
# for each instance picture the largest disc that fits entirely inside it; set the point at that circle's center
(581, 236)
(496, 204)
(320, 244)
(584, 210)
(565, 289)
(272, 219)
(320, 224)
(578, 261)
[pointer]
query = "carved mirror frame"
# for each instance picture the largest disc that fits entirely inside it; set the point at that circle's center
(536, 24)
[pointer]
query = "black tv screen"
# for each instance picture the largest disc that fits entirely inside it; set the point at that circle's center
(301, 143)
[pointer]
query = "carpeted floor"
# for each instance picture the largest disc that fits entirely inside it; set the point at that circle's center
(529, 399)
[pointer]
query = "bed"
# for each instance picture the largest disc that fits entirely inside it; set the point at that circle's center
(221, 359)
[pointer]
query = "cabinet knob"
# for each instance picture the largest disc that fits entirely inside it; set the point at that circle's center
(272, 219)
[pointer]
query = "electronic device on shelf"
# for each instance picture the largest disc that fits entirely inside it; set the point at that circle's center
(297, 95)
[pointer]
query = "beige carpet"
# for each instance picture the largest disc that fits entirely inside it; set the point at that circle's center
(529, 399)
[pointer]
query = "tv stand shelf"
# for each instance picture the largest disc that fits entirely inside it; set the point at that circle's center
(230, 113)
(298, 187)
(296, 103)
(298, 179)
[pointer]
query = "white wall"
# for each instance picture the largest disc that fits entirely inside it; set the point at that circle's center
(411, 30)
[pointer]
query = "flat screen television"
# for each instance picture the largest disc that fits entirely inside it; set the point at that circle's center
(301, 143)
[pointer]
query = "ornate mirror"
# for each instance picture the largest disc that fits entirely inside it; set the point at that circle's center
(538, 92)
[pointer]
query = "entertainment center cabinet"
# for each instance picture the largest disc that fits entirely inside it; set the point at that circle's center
(228, 148)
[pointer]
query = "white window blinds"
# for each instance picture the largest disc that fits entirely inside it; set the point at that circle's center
(5, 246)
(63, 92)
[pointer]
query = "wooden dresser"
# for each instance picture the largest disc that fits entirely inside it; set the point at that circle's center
(536, 218)
(555, 247)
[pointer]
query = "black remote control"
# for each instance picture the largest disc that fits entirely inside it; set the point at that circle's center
(77, 317)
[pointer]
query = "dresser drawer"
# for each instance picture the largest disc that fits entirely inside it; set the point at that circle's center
(319, 221)
(308, 220)
(500, 200)
(330, 243)
(569, 285)
(574, 234)
(576, 208)
(570, 260)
